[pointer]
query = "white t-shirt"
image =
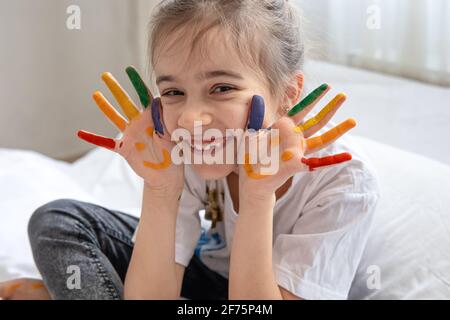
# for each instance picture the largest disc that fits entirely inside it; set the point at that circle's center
(321, 225)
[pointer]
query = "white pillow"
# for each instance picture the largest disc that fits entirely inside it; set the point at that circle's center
(410, 239)
(108, 178)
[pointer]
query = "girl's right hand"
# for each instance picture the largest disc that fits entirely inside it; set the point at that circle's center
(145, 143)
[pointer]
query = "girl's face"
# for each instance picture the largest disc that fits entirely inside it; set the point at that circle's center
(216, 90)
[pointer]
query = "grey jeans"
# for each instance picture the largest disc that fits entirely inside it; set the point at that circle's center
(83, 250)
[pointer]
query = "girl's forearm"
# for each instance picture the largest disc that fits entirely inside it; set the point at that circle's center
(152, 270)
(251, 268)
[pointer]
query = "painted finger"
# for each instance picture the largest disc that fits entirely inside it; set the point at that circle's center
(156, 116)
(124, 100)
(110, 112)
(257, 112)
(142, 90)
(314, 163)
(305, 106)
(313, 125)
(320, 142)
(97, 140)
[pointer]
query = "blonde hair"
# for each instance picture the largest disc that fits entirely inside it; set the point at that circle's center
(267, 34)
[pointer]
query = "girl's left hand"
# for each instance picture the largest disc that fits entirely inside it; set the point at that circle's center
(290, 141)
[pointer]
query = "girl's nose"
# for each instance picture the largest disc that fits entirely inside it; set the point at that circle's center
(191, 115)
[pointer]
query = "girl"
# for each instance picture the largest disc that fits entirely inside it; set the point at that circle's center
(290, 234)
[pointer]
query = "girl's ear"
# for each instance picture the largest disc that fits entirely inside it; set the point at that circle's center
(295, 89)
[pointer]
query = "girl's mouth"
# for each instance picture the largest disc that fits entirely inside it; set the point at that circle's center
(207, 146)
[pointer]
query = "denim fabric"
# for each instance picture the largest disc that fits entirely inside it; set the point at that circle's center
(68, 236)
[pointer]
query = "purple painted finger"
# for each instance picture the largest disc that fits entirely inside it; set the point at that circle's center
(156, 116)
(256, 113)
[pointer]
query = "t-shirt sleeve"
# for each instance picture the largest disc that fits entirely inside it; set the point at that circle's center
(319, 258)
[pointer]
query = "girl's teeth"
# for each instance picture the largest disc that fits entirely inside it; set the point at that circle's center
(208, 147)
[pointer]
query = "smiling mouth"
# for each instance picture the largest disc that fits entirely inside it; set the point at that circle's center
(206, 146)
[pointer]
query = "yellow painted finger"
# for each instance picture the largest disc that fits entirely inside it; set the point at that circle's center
(322, 114)
(330, 136)
(113, 115)
(124, 100)
(160, 166)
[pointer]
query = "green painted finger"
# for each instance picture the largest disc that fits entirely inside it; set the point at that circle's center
(310, 99)
(140, 86)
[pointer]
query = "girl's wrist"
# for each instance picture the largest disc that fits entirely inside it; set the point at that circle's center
(168, 193)
(161, 201)
(253, 200)
(249, 194)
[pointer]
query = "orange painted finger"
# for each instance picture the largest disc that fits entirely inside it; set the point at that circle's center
(314, 163)
(97, 140)
(316, 123)
(124, 100)
(110, 112)
(320, 142)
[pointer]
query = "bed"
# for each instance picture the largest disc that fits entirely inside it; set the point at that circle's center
(408, 246)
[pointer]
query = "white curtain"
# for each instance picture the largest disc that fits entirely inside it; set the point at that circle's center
(410, 38)
(49, 72)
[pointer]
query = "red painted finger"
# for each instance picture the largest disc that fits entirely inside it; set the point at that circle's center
(314, 163)
(100, 141)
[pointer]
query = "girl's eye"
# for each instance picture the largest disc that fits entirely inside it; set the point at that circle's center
(173, 93)
(223, 89)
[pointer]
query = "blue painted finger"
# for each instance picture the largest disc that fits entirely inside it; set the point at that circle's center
(257, 112)
(156, 116)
